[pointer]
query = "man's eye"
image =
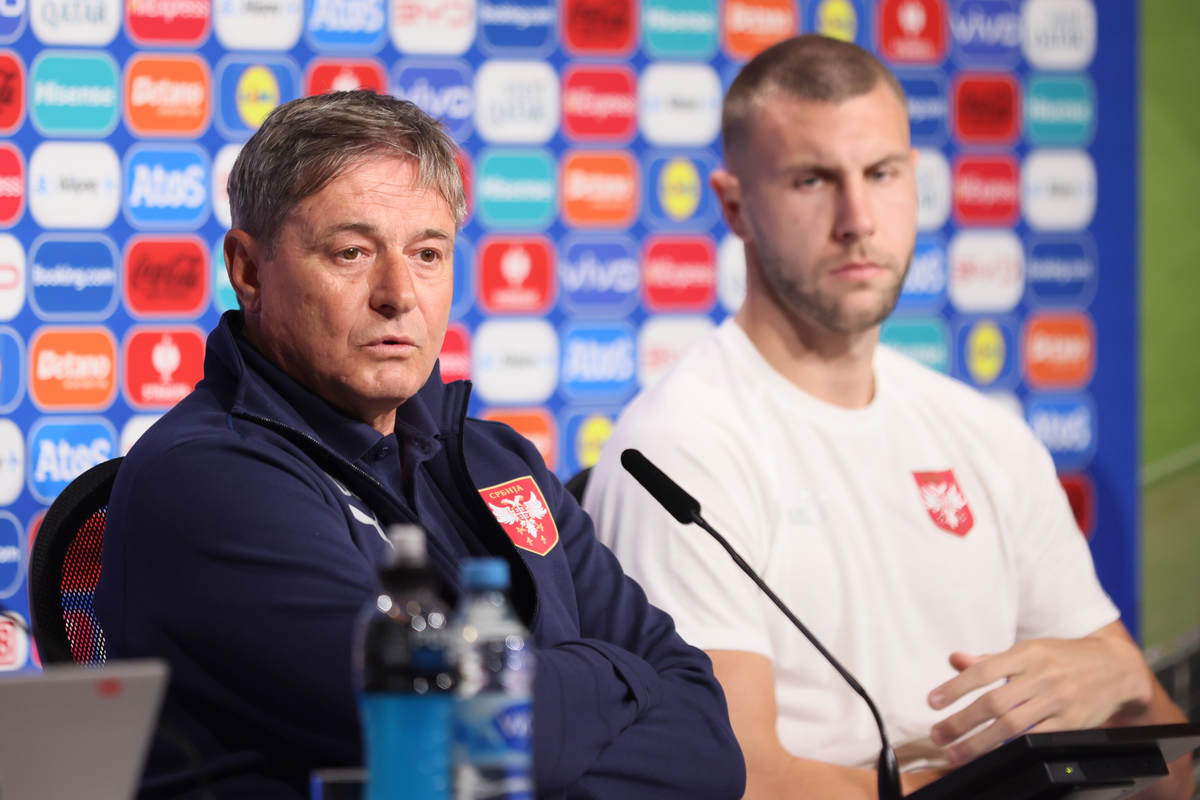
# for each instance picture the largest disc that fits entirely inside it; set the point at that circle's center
(428, 256)
(350, 253)
(808, 182)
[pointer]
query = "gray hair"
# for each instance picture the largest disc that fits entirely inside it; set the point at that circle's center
(304, 145)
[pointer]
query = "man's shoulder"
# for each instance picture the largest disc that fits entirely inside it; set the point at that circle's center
(913, 382)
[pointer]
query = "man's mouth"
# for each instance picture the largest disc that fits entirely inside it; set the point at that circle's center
(858, 271)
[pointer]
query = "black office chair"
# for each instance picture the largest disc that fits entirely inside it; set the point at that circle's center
(578, 483)
(65, 567)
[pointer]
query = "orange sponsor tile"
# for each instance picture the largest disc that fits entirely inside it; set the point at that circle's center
(1059, 350)
(535, 424)
(167, 95)
(73, 369)
(600, 189)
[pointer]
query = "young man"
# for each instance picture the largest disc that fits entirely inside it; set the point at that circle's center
(246, 527)
(916, 527)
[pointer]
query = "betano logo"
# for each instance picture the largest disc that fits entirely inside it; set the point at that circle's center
(600, 189)
(166, 276)
(535, 424)
(912, 31)
(167, 186)
(73, 277)
(73, 94)
(986, 190)
(12, 91)
(74, 185)
(987, 108)
(63, 448)
(752, 26)
(599, 361)
(679, 28)
(167, 95)
(344, 75)
(599, 103)
(162, 365)
(516, 275)
(599, 27)
(433, 27)
(679, 273)
(345, 25)
(72, 369)
(454, 360)
(175, 23)
(12, 185)
(1059, 350)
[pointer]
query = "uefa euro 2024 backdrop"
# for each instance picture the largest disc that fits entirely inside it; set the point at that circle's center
(594, 253)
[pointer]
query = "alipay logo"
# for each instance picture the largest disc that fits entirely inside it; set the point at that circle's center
(1058, 189)
(63, 448)
(73, 94)
(599, 275)
(1061, 270)
(1060, 110)
(515, 361)
(75, 22)
(443, 90)
(925, 284)
(167, 187)
(74, 185)
(680, 104)
(515, 189)
(679, 28)
(927, 104)
(1066, 425)
(346, 25)
(511, 28)
(598, 361)
(986, 32)
(923, 339)
(12, 19)
(273, 25)
(73, 277)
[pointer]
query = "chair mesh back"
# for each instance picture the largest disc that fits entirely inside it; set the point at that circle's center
(81, 572)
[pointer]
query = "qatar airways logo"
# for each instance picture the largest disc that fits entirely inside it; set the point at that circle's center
(1059, 34)
(75, 22)
(516, 102)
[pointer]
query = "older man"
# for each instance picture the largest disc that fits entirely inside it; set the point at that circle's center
(916, 526)
(246, 527)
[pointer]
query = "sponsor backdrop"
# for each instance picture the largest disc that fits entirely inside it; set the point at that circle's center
(594, 253)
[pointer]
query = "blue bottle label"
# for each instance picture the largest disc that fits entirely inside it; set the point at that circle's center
(493, 729)
(406, 743)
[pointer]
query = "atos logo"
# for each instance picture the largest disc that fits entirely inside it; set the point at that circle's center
(515, 361)
(752, 26)
(1060, 110)
(599, 103)
(1081, 495)
(1061, 270)
(345, 25)
(249, 89)
(12, 555)
(12, 91)
(600, 189)
(167, 96)
(1058, 189)
(516, 275)
(509, 28)
(12, 378)
(933, 189)
(599, 27)
(912, 31)
(454, 361)
(166, 276)
(846, 20)
(1059, 34)
(12, 276)
(987, 353)
(167, 186)
(271, 25)
(516, 102)
(731, 273)
(12, 187)
(536, 425)
(679, 28)
(923, 339)
(680, 104)
(433, 27)
(72, 369)
(344, 75)
(1059, 350)
(987, 271)
(516, 189)
(175, 23)
(598, 275)
(677, 191)
(74, 185)
(663, 340)
(925, 284)
(599, 361)
(73, 94)
(75, 22)
(1066, 425)
(987, 108)
(986, 32)
(679, 273)
(927, 106)
(73, 277)
(63, 448)
(986, 190)
(444, 90)
(13, 17)
(162, 365)
(584, 434)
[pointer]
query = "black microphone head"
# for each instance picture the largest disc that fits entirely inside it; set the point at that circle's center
(674, 499)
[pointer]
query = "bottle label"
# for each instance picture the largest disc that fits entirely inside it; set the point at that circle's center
(493, 729)
(406, 739)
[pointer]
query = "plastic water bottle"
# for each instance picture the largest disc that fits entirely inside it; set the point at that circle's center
(407, 666)
(493, 737)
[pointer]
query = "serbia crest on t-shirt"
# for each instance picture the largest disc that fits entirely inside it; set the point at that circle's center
(520, 508)
(945, 501)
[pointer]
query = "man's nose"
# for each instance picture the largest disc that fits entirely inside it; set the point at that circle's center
(856, 216)
(393, 290)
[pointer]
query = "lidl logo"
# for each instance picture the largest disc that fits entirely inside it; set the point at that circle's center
(987, 352)
(515, 361)
(162, 365)
(912, 31)
(677, 194)
(72, 369)
(12, 555)
(12, 276)
(680, 104)
(1060, 110)
(63, 448)
(599, 103)
(679, 28)
(986, 32)
(167, 186)
(731, 273)
(933, 189)
(846, 20)
(516, 189)
(167, 95)
(345, 25)
(986, 190)
(222, 166)
(663, 340)
(599, 361)
(12, 91)
(174, 23)
(598, 274)
(1066, 424)
(433, 27)
(443, 89)
(923, 339)
(927, 106)
(600, 189)
(516, 275)
(751, 26)
(1059, 350)
(526, 29)
(464, 277)
(1059, 34)
(987, 271)
(73, 94)
(599, 27)
(73, 277)
(12, 185)
(166, 276)
(535, 424)
(679, 273)
(584, 434)
(12, 376)
(1058, 189)
(925, 284)
(74, 185)
(13, 16)
(1081, 495)
(454, 361)
(249, 89)
(516, 102)
(1061, 270)
(255, 25)
(987, 108)
(12, 451)
(84, 23)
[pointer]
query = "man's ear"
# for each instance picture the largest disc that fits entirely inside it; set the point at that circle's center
(242, 262)
(729, 193)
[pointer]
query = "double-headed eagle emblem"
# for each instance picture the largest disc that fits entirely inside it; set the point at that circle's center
(522, 513)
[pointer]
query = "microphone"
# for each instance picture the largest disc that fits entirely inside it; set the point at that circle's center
(686, 509)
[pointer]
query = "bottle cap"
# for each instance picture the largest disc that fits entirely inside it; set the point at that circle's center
(408, 542)
(483, 574)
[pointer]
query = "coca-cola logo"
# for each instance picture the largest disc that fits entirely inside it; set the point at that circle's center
(12, 91)
(987, 109)
(599, 27)
(166, 277)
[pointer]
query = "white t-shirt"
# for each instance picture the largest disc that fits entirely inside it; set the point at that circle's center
(851, 517)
